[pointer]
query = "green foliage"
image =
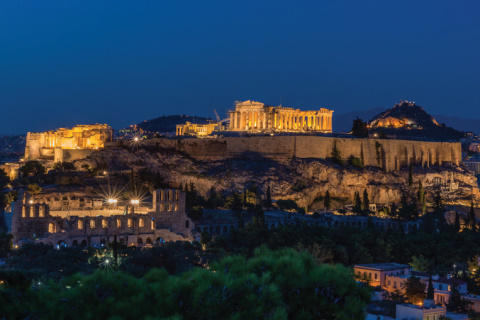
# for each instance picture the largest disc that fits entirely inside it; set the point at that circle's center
(32, 168)
(355, 162)
(335, 155)
(420, 264)
(472, 220)
(33, 188)
(327, 201)
(414, 290)
(430, 290)
(287, 205)
(357, 204)
(195, 213)
(63, 166)
(456, 303)
(410, 175)
(268, 198)
(215, 200)
(457, 222)
(8, 197)
(359, 128)
(283, 284)
(4, 179)
(366, 203)
(378, 151)
(6, 244)
(234, 202)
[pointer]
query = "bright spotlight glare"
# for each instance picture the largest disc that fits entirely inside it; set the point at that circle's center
(112, 201)
(31, 201)
(136, 138)
(107, 261)
(135, 201)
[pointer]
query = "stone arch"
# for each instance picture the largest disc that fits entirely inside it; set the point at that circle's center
(158, 240)
(210, 230)
(205, 229)
(83, 243)
(61, 243)
(232, 228)
(225, 229)
(103, 242)
(217, 230)
(74, 243)
(187, 224)
(149, 241)
(139, 241)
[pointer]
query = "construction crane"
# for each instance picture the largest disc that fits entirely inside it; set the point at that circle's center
(218, 118)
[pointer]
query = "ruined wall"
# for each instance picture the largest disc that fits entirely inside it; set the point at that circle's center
(386, 154)
(71, 154)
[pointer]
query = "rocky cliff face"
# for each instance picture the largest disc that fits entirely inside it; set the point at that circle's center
(299, 179)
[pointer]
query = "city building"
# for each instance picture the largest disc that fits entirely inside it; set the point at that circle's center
(376, 273)
(427, 311)
(257, 117)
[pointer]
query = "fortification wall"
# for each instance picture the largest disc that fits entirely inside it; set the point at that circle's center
(386, 154)
(71, 154)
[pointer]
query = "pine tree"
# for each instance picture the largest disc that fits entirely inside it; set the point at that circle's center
(472, 220)
(366, 202)
(424, 203)
(421, 192)
(357, 203)
(268, 200)
(327, 201)
(336, 156)
(457, 222)
(430, 290)
(410, 175)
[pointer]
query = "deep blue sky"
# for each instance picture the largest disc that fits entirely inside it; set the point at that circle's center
(121, 62)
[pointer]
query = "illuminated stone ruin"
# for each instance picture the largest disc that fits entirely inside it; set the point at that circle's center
(43, 145)
(256, 116)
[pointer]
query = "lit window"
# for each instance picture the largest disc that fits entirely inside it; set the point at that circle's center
(130, 223)
(141, 223)
(80, 224)
(119, 223)
(176, 206)
(104, 223)
(152, 225)
(92, 224)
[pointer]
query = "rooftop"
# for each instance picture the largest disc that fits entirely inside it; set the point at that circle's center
(382, 266)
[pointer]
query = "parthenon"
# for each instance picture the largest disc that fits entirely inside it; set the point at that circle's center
(256, 116)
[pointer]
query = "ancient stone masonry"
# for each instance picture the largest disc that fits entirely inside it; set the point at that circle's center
(73, 220)
(256, 116)
(390, 155)
(51, 144)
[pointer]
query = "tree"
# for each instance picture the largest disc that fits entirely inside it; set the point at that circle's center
(64, 166)
(430, 290)
(287, 205)
(420, 264)
(421, 192)
(32, 168)
(6, 244)
(366, 202)
(327, 201)
(472, 220)
(410, 175)
(414, 290)
(357, 203)
(268, 198)
(336, 156)
(359, 128)
(33, 188)
(234, 202)
(457, 222)
(455, 302)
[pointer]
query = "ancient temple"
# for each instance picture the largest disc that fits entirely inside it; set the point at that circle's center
(43, 144)
(256, 116)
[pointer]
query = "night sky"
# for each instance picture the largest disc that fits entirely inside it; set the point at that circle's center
(120, 62)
